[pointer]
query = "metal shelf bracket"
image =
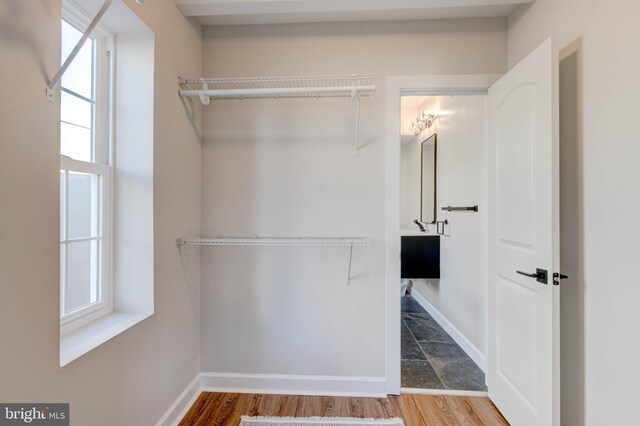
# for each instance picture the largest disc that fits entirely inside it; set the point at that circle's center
(356, 98)
(204, 99)
(49, 92)
(350, 259)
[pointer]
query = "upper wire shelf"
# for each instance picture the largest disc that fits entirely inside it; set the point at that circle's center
(276, 241)
(352, 86)
(325, 86)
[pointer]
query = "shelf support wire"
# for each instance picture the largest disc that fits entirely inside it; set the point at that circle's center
(349, 270)
(56, 78)
(356, 99)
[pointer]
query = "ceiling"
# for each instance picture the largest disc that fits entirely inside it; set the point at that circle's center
(248, 12)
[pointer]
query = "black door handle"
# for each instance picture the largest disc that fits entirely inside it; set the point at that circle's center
(540, 275)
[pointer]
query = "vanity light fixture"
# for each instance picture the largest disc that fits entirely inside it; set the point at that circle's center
(423, 121)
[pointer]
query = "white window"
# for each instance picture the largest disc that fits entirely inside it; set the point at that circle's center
(85, 176)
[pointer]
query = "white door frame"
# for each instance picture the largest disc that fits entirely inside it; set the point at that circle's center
(397, 86)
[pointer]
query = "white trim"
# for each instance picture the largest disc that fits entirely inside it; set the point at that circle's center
(80, 318)
(80, 18)
(181, 405)
(288, 384)
(474, 353)
(78, 342)
(76, 319)
(397, 86)
(446, 392)
(278, 384)
(99, 165)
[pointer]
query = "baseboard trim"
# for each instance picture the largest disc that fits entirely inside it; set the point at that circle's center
(447, 392)
(286, 384)
(283, 384)
(181, 405)
(466, 345)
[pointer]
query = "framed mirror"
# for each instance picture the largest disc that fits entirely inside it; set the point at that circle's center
(428, 167)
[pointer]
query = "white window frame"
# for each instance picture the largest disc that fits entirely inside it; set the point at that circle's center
(101, 165)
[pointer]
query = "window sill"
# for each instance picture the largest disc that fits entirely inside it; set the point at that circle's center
(77, 343)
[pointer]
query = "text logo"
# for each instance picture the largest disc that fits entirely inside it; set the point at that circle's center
(34, 414)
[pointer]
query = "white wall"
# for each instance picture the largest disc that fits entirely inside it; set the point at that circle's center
(460, 293)
(599, 127)
(286, 167)
(133, 378)
(410, 177)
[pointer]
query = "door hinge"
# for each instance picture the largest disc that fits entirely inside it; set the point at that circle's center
(557, 277)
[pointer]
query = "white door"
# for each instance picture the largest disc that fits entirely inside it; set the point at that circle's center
(522, 373)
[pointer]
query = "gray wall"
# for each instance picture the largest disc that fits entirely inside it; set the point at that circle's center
(286, 167)
(133, 378)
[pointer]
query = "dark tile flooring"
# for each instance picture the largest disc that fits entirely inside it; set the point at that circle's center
(431, 359)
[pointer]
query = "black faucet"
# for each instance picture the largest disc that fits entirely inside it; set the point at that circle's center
(420, 225)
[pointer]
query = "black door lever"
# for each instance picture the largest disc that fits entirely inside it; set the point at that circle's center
(540, 275)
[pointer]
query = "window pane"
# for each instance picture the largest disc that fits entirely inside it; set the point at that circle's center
(82, 275)
(75, 110)
(63, 202)
(75, 142)
(79, 75)
(83, 205)
(63, 254)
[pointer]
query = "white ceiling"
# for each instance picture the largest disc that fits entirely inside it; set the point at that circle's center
(246, 12)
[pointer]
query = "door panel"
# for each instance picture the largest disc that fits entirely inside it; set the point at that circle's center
(514, 160)
(522, 312)
(517, 319)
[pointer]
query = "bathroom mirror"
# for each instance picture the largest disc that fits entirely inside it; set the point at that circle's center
(428, 179)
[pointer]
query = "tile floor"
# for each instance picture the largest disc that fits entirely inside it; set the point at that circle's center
(431, 359)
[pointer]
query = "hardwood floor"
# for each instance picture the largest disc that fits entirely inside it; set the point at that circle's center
(416, 410)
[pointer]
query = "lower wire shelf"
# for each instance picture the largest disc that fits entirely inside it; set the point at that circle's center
(339, 241)
(276, 241)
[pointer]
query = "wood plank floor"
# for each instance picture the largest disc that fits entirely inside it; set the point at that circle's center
(417, 410)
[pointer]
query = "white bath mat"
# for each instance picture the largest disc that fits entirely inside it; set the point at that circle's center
(317, 421)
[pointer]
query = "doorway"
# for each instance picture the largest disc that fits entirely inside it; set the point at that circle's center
(443, 241)
(522, 309)
(398, 86)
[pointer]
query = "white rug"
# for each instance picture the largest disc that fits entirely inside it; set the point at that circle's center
(317, 421)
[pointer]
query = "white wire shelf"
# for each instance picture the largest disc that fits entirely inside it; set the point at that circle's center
(276, 241)
(352, 86)
(326, 86)
(340, 241)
